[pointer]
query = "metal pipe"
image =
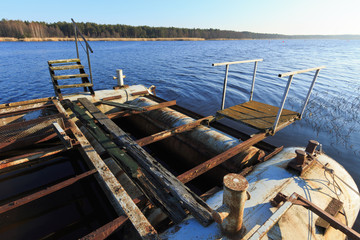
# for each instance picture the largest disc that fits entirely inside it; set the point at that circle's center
(224, 87)
(309, 93)
(236, 62)
(230, 216)
(300, 71)
(76, 41)
(88, 58)
(283, 102)
(253, 82)
(120, 77)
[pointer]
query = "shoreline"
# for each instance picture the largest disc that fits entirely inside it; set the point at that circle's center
(56, 39)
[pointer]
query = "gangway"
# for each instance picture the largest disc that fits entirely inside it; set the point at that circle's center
(262, 116)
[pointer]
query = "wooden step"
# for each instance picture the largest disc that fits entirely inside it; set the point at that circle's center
(63, 61)
(75, 85)
(82, 75)
(67, 67)
(259, 115)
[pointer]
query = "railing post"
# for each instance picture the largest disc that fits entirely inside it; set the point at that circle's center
(253, 82)
(309, 93)
(76, 41)
(88, 57)
(282, 103)
(224, 87)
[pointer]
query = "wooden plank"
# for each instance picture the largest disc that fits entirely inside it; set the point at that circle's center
(222, 157)
(154, 191)
(258, 115)
(162, 176)
(146, 109)
(75, 85)
(171, 132)
(64, 61)
(67, 67)
(81, 75)
(119, 197)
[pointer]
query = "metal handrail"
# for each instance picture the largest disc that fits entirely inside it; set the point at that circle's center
(76, 32)
(226, 77)
(291, 75)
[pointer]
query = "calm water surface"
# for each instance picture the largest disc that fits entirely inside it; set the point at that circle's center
(183, 71)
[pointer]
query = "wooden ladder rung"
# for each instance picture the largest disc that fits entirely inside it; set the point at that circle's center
(67, 67)
(75, 85)
(59, 77)
(63, 61)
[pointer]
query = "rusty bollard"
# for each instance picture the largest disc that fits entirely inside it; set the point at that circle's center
(311, 147)
(230, 215)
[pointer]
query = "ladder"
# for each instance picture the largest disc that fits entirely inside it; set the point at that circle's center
(69, 65)
(261, 116)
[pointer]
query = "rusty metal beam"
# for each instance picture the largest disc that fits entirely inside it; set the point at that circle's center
(171, 132)
(352, 234)
(11, 162)
(119, 198)
(106, 230)
(112, 98)
(139, 93)
(222, 157)
(23, 109)
(14, 104)
(146, 109)
(273, 153)
(42, 193)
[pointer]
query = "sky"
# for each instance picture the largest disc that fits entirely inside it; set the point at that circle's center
(293, 17)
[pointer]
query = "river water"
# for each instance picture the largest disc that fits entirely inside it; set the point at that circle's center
(182, 70)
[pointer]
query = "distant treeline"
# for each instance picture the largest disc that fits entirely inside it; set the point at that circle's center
(25, 29)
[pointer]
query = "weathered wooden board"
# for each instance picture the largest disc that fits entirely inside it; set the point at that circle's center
(151, 167)
(153, 191)
(258, 115)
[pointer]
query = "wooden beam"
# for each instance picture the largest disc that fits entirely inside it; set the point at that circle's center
(171, 132)
(154, 191)
(146, 109)
(161, 175)
(119, 197)
(222, 157)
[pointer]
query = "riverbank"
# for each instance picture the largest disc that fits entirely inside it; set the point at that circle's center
(55, 39)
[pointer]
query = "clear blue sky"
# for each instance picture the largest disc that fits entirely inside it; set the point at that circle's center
(265, 16)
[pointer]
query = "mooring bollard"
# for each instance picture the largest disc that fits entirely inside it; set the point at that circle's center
(311, 147)
(230, 215)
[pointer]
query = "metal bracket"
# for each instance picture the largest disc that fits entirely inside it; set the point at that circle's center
(65, 139)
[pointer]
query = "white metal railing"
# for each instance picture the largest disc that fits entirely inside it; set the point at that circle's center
(226, 77)
(291, 75)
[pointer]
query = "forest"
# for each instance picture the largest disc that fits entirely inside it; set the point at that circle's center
(34, 29)
(25, 29)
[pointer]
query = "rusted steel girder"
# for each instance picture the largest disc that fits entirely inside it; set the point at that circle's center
(146, 109)
(42, 193)
(299, 200)
(106, 230)
(222, 157)
(171, 132)
(13, 161)
(14, 104)
(23, 109)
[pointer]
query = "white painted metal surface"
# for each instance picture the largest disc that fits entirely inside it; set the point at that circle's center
(265, 182)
